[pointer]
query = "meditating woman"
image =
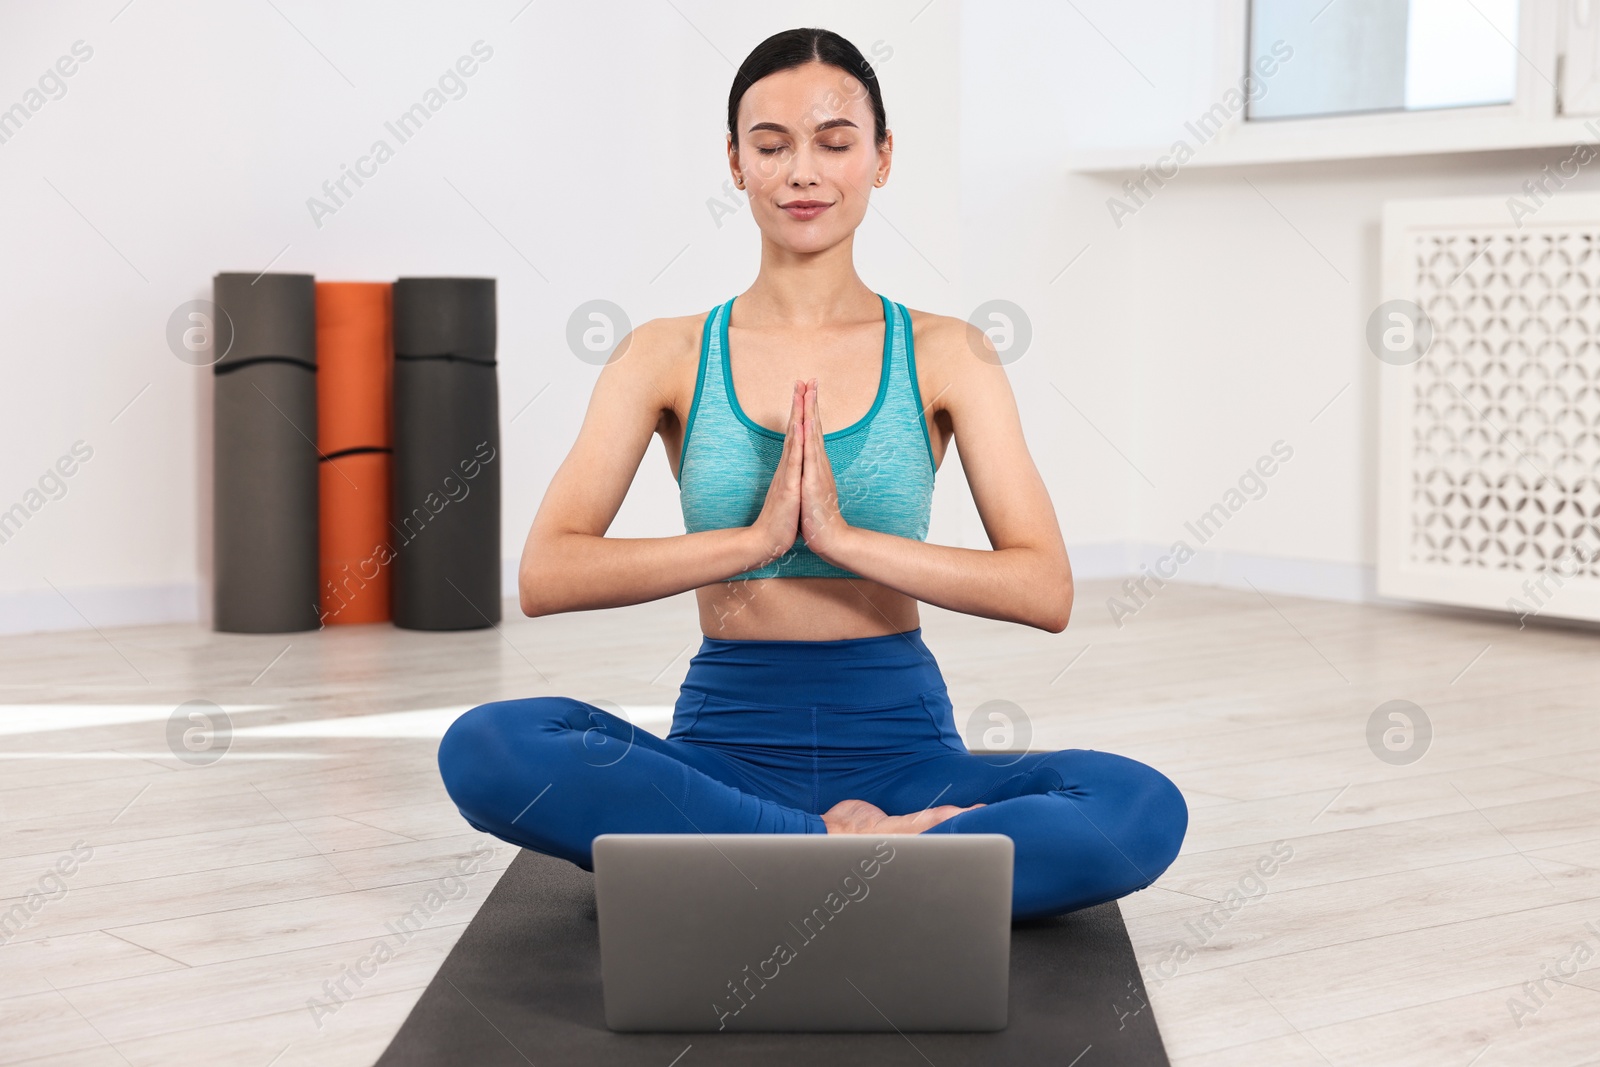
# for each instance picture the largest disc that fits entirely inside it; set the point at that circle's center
(804, 438)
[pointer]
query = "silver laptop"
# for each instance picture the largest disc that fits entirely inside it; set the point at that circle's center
(709, 932)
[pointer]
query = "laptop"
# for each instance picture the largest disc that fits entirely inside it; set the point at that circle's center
(835, 932)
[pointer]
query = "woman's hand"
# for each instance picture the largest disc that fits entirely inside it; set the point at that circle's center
(821, 523)
(779, 522)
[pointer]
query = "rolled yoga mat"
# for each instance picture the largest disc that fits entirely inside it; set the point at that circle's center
(445, 524)
(523, 985)
(355, 360)
(265, 455)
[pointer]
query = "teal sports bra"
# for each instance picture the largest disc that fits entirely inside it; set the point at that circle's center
(882, 465)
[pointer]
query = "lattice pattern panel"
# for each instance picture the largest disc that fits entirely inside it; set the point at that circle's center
(1504, 407)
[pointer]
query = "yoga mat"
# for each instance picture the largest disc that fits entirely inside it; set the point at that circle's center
(265, 456)
(446, 498)
(523, 985)
(353, 539)
(445, 317)
(355, 360)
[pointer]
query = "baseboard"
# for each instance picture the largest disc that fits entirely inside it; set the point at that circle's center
(1319, 579)
(100, 607)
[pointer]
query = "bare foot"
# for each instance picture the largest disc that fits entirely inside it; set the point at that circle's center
(859, 817)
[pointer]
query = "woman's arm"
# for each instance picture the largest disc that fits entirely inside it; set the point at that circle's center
(1026, 578)
(568, 564)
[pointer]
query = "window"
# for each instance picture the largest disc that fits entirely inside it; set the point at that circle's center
(1361, 56)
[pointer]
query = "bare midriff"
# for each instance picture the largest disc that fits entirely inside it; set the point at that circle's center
(803, 609)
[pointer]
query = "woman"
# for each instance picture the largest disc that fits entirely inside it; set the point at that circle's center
(813, 705)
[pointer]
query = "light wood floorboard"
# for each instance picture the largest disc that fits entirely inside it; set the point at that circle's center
(1417, 910)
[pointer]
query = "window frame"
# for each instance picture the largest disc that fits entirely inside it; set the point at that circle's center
(1474, 127)
(1531, 120)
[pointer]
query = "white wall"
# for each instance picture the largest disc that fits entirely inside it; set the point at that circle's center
(191, 140)
(1040, 80)
(1209, 325)
(1222, 317)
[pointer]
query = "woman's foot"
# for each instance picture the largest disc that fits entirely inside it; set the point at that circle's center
(859, 817)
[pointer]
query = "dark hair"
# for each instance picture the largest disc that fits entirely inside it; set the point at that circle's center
(794, 48)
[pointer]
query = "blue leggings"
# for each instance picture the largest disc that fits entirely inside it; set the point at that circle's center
(767, 734)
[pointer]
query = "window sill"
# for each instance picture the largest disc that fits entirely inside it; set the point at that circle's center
(1310, 141)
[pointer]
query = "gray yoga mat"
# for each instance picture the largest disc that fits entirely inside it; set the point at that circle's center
(523, 985)
(445, 317)
(446, 500)
(265, 455)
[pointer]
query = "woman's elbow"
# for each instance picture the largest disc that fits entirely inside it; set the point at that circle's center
(528, 598)
(547, 582)
(1057, 609)
(538, 592)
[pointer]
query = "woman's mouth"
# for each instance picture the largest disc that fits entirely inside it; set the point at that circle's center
(806, 209)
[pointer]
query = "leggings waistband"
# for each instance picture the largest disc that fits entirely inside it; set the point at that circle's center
(856, 671)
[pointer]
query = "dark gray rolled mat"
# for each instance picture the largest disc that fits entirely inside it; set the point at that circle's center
(264, 472)
(445, 526)
(268, 315)
(265, 495)
(445, 317)
(523, 985)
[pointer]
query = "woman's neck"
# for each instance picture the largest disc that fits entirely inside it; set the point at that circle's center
(807, 291)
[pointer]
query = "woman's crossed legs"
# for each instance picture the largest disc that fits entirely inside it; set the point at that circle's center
(553, 773)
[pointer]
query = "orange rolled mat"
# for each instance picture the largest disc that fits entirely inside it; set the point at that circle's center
(355, 372)
(355, 551)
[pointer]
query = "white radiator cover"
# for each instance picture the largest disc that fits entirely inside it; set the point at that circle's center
(1489, 443)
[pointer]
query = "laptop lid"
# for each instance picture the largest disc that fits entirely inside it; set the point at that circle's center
(708, 932)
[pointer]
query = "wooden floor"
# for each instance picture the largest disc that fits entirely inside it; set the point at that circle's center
(221, 910)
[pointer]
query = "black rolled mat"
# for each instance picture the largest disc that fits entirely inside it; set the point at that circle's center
(523, 985)
(445, 317)
(265, 476)
(446, 473)
(268, 315)
(445, 498)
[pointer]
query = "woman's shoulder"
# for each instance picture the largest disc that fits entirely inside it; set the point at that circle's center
(664, 344)
(945, 339)
(658, 361)
(950, 351)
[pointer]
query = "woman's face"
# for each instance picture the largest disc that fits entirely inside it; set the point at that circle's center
(806, 138)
